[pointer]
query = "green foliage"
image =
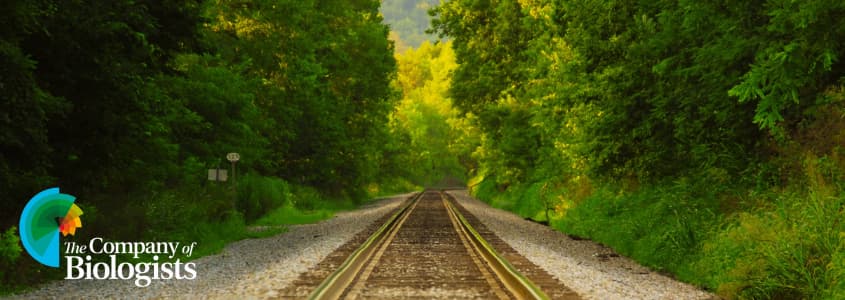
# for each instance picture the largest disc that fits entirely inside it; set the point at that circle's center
(306, 206)
(777, 243)
(789, 247)
(126, 105)
(15, 272)
(673, 110)
(524, 200)
(391, 185)
(782, 252)
(288, 215)
(433, 140)
(219, 110)
(325, 90)
(637, 89)
(795, 62)
(10, 250)
(302, 205)
(259, 195)
(24, 147)
(661, 226)
(211, 237)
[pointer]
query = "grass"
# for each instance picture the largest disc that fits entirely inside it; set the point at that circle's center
(287, 215)
(207, 215)
(274, 204)
(792, 247)
(738, 241)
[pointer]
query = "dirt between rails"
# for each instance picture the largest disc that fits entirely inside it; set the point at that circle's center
(548, 284)
(427, 260)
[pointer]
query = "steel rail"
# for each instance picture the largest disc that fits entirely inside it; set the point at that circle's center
(345, 276)
(519, 285)
(334, 286)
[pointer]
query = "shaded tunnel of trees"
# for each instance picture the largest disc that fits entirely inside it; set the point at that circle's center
(704, 139)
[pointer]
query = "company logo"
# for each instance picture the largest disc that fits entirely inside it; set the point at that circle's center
(48, 214)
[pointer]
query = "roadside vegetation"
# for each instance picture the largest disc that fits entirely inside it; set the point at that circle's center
(126, 105)
(704, 140)
(435, 139)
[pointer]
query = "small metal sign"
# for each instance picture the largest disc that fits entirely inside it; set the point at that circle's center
(233, 157)
(218, 174)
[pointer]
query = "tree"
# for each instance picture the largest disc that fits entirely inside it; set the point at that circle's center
(438, 141)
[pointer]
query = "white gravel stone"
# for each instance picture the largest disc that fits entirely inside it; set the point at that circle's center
(257, 268)
(591, 270)
(248, 269)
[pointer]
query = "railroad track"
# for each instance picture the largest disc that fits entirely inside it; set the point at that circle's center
(429, 248)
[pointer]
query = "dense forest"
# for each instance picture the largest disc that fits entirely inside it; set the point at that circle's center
(127, 104)
(704, 140)
(436, 139)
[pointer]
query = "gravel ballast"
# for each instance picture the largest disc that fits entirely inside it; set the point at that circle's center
(591, 270)
(248, 269)
(259, 268)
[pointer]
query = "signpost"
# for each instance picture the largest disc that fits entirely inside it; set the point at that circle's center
(234, 158)
(217, 174)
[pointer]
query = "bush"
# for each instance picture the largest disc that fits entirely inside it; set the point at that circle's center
(390, 186)
(168, 211)
(661, 226)
(287, 215)
(791, 246)
(211, 237)
(258, 195)
(10, 251)
(10, 248)
(526, 200)
(787, 252)
(484, 187)
(710, 230)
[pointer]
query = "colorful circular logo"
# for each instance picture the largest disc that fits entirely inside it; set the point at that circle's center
(45, 216)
